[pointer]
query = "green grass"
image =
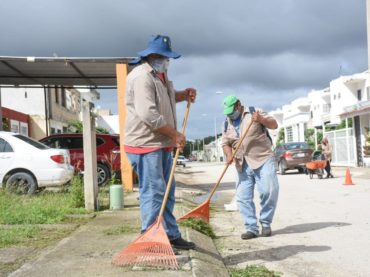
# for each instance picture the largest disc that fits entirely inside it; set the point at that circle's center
(253, 271)
(199, 225)
(42, 208)
(29, 235)
(13, 236)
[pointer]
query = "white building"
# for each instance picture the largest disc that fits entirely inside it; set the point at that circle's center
(296, 117)
(50, 109)
(351, 100)
(347, 98)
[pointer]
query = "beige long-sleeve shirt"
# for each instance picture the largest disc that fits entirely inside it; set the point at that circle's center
(150, 104)
(327, 151)
(256, 146)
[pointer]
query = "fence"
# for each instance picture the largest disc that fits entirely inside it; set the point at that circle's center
(343, 143)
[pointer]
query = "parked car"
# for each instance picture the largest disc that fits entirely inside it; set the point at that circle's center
(107, 152)
(292, 155)
(181, 160)
(26, 164)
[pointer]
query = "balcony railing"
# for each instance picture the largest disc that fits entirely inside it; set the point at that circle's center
(358, 106)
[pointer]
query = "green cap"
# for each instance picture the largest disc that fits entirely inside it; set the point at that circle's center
(229, 103)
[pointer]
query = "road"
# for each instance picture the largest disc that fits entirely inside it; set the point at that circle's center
(321, 227)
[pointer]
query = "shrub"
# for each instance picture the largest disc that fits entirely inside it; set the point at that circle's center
(77, 192)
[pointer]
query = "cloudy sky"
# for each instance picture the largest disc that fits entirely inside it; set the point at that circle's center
(266, 52)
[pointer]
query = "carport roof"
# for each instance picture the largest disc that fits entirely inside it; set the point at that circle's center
(67, 72)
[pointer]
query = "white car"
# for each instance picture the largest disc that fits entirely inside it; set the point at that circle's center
(181, 160)
(26, 164)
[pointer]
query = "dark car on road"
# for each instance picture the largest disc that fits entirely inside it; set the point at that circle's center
(107, 152)
(292, 155)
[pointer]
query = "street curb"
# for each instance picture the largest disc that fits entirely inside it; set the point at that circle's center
(205, 259)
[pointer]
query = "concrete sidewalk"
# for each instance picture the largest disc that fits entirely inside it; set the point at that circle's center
(89, 250)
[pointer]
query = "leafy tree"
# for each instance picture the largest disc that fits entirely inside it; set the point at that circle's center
(281, 137)
(309, 137)
(76, 126)
(340, 126)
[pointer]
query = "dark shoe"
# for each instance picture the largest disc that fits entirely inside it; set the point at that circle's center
(327, 176)
(180, 243)
(331, 175)
(266, 232)
(249, 235)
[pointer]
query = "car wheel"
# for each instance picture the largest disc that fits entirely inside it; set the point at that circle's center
(281, 168)
(21, 183)
(300, 170)
(103, 174)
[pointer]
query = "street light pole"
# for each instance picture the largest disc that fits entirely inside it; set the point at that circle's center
(216, 146)
(368, 32)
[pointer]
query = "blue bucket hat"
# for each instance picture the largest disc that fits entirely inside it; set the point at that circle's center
(158, 44)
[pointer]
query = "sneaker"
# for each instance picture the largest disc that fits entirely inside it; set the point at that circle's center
(249, 235)
(180, 243)
(266, 232)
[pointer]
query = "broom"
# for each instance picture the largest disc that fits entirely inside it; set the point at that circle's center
(153, 247)
(202, 211)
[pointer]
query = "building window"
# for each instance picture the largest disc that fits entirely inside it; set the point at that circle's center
(338, 95)
(335, 96)
(368, 93)
(63, 97)
(359, 96)
(53, 130)
(289, 134)
(56, 93)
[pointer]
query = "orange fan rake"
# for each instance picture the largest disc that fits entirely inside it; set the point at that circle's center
(153, 247)
(202, 211)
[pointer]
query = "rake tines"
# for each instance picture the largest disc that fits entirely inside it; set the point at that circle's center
(150, 249)
(201, 212)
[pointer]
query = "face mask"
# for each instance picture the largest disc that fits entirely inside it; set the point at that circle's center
(235, 115)
(160, 65)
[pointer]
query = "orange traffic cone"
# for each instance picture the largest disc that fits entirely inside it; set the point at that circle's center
(348, 180)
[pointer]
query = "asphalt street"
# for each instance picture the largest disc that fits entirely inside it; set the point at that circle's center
(321, 227)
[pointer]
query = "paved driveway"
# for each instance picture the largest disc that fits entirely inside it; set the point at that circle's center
(321, 227)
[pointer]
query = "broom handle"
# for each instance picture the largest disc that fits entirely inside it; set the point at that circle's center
(227, 164)
(173, 165)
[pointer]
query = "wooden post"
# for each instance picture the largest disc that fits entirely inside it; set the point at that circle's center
(126, 169)
(89, 146)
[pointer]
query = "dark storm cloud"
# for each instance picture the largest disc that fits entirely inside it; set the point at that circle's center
(266, 52)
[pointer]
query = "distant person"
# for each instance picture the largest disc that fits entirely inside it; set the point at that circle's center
(254, 162)
(151, 133)
(327, 150)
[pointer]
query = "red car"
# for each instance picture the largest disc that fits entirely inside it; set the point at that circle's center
(107, 152)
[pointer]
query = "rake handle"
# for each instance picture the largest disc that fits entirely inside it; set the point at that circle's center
(169, 183)
(227, 164)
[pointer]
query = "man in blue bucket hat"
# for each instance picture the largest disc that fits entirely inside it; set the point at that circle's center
(151, 132)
